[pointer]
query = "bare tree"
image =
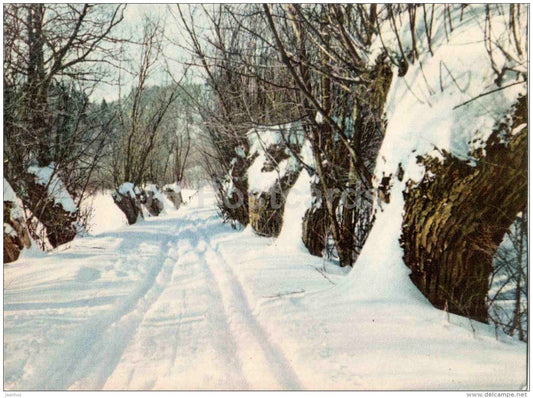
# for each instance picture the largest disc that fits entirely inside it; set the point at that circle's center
(343, 95)
(142, 112)
(284, 63)
(53, 55)
(47, 43)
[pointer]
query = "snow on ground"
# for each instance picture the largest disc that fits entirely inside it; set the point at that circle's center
(185, 302)
(428, 109)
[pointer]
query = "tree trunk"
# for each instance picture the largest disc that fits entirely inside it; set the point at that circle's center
(234, 205)
(349, 225)
(131, 207)
(456, 217)
(315, 229)
(16, 235)
(266, 208)
(152, 203)
(60, 224)
(37, 86)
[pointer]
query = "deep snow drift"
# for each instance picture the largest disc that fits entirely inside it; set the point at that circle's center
(182, 301)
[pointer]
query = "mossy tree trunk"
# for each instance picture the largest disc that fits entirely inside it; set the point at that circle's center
(60, 224)
(456, 217)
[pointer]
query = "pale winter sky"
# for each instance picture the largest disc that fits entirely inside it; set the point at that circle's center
(131, 28)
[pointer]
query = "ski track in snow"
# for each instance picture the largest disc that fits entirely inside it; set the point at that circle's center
(195, 319)
(96, 348)
(251, 360)
(182, 302)
(255, 347)
(188, 315)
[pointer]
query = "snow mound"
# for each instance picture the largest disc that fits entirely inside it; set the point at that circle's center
(178, 292)
(105, 215)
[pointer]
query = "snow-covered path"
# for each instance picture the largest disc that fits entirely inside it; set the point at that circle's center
(184, 302)
(150, 306)
(201, 330)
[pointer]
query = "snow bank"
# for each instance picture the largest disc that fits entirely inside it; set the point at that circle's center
(380, 273)
(105, 215)
(175, 293)
(297, 202)
(47, 177)
(372, 330)
(190, 193)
